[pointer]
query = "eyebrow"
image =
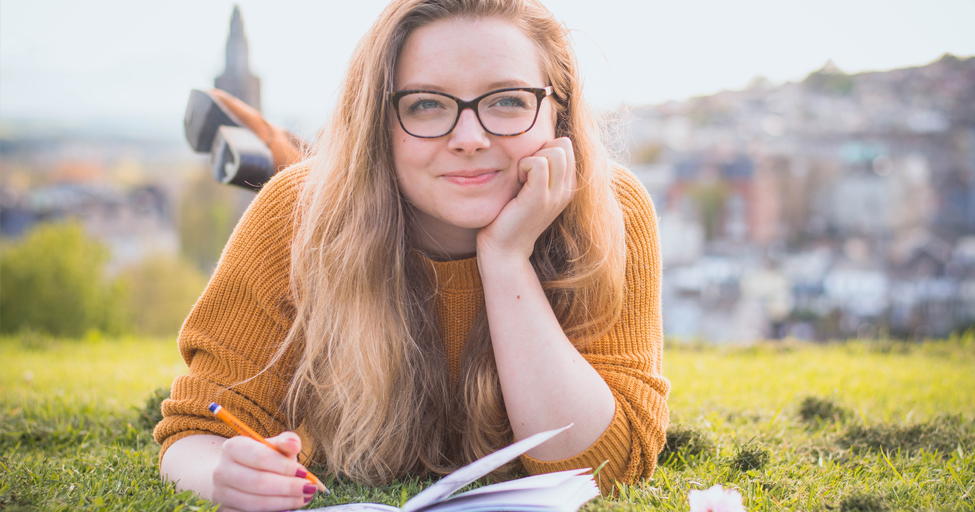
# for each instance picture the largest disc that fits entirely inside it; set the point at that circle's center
(502, 84)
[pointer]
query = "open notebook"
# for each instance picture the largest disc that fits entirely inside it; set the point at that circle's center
(564, 491)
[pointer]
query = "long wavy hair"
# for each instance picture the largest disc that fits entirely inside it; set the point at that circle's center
(371, 383)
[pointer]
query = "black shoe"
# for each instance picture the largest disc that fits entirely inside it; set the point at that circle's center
(240, 158)
(204, 115)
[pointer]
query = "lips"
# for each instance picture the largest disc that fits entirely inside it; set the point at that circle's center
(471, 177)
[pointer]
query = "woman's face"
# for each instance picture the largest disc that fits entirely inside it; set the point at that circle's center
(462, 180)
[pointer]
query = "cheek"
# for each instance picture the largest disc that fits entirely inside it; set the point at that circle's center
(550, 120)
(544, 128)
(412, 160)
(408, 156)
(540, 134)
(399, 147)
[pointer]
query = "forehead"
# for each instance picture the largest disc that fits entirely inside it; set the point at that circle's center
(467, 57)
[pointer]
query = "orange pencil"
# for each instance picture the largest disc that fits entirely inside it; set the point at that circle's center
(244, 430)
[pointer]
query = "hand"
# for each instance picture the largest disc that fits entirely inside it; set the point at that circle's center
(549, 182)
(252, 477)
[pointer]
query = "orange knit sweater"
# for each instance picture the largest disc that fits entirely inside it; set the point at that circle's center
(237, 323)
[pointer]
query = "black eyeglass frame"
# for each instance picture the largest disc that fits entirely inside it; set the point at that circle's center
(540, 94)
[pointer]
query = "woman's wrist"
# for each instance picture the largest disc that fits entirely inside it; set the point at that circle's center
(190, 461)
(492, 263)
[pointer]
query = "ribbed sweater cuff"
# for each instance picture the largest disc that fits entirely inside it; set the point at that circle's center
(613, 446)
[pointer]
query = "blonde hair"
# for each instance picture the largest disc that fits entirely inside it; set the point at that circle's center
(371, 382)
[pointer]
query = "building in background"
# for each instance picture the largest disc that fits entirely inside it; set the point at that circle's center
(134, 194)
(839, 206)
(237, 78)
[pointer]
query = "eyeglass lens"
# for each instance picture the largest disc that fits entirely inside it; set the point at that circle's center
(427, 114)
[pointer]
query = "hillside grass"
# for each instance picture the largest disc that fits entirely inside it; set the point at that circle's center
(846, 426)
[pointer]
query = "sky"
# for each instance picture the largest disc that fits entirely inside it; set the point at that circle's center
(114, 60)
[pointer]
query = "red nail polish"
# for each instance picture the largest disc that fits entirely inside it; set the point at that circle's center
(301, 473)
(309, 489)
(308, 498)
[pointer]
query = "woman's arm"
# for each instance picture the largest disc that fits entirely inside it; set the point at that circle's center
(239, 473)
(629, 357)
(189, 463)
(552, 388)
(227, 342)
(546, 383)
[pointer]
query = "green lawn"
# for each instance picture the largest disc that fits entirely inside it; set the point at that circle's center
(891, 427)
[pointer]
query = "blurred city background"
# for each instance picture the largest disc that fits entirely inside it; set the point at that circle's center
(812, 164)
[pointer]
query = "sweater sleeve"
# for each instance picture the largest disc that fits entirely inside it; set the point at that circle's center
(237, 325)
(629, 358)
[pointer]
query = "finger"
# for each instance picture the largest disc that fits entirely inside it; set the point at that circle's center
(536, 169)
(570, 165)
(569, 178)
(287, 443)
(290, 444)
(262, 483)
(248, 502)
(556, 166)
(530, 164)
(255, 455)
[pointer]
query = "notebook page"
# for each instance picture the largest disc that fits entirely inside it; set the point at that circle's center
(529, 482)
(467, 474)
(567, 497)
(353, 507)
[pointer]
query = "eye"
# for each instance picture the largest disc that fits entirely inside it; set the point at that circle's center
(508, 102)
(426, 104)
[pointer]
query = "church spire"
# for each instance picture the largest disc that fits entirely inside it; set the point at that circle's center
(237, 78)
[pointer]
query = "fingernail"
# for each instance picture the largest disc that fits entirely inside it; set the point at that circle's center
(301, 473)
(308, 498)
(309, 489)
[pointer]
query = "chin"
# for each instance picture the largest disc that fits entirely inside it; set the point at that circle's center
(476, 219)
(477, 222)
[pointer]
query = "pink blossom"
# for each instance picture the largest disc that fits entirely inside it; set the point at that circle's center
(715, 499)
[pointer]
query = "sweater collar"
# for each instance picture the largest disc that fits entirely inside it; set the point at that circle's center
(457, 274)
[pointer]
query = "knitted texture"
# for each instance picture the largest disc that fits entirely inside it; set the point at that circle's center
(233, 330)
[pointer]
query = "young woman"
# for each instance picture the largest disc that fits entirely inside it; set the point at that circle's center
(458, 266)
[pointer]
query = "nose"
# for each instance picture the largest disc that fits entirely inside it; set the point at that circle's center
(468, 136)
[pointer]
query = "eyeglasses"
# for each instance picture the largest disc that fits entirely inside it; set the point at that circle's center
(504, 112)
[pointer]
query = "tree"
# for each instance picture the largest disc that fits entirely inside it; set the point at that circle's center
(159, 293)
(53, 281)
(207, 216)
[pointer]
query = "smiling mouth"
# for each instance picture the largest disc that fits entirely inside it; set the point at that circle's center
(471, 178)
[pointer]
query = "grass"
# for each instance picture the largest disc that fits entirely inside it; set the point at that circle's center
(853, 426)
